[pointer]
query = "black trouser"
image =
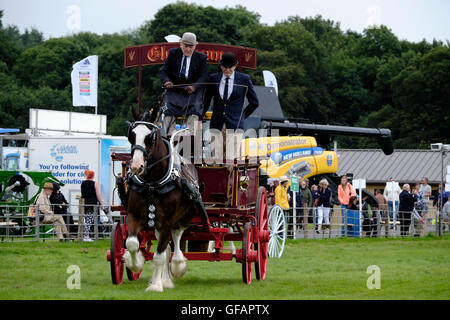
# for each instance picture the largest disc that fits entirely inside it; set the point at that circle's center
(405, 221)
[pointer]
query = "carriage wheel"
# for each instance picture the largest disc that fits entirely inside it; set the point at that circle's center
(116, 254)
(277, 230)
(262, 246)
(247, 254)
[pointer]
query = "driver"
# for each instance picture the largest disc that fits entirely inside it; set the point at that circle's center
(184, 66)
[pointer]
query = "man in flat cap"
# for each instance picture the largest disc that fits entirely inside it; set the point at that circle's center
(183, 74)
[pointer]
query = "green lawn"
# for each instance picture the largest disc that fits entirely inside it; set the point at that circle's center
(309, 269)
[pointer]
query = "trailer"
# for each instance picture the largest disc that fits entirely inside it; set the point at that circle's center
(67, 148)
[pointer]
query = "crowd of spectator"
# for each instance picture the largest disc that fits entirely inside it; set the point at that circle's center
(405, 206)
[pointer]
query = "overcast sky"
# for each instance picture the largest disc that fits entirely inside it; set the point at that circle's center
(413, 20)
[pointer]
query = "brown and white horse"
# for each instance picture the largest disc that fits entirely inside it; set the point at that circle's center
(151, 162)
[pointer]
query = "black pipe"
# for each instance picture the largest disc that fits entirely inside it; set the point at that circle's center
(383, 136)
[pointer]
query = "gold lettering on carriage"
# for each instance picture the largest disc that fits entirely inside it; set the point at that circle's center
(191, 309)
(157, 53)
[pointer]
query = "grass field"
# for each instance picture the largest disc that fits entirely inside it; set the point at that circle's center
(417, 268)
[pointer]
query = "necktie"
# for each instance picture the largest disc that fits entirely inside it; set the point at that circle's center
(225, 90)
(183, 68)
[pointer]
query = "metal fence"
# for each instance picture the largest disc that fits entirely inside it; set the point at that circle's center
(340, 222)
(83, 223)
(16, 226)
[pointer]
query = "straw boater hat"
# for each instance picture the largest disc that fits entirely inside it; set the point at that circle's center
(189, 38)
(284, 179)
(48, 185)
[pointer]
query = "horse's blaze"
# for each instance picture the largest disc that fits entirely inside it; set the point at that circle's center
(137, 163)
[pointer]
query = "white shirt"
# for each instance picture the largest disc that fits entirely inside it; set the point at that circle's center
(188, 63)
(392, 191)
(425, 189)
(230, 85)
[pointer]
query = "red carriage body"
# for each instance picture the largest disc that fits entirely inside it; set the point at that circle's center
(237, 210)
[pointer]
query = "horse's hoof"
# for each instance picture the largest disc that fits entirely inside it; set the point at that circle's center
(155, 288)
(178, 268)
(168, 284)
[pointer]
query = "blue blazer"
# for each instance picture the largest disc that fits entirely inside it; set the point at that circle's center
(230, 111)
(198, 69)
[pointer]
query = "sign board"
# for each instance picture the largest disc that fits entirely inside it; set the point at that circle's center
(52, 120)
(156, 53)
(359, 183)
(294, 184)
(67, 157)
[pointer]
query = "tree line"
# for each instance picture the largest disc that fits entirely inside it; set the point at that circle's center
(325, 75)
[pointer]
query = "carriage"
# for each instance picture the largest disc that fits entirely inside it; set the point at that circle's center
(238, 210)
(235, 206)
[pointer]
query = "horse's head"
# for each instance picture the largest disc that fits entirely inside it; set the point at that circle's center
(142, 135)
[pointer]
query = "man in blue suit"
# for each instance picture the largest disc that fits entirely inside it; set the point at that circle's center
(228, 91)
(183, 74)
(229, 110)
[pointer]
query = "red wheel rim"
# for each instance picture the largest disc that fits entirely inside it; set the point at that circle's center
(247, 254)
(116, 254)
(133, 275)
(262, 245)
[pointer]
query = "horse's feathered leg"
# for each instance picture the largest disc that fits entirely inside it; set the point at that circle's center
(166, 279)
(161, 278)
(178, 266)
(133, 257)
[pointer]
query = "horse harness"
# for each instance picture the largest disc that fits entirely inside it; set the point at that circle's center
(168, 183)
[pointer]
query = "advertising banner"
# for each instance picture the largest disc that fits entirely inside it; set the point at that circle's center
(85, 82)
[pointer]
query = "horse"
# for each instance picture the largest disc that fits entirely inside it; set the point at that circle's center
(151, 165)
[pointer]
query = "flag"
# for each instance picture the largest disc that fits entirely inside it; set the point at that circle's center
(84, 82)
(270, 80)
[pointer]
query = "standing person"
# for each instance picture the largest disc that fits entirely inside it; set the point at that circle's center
(382, 204)
(353, 216)
(392, 193)
(323, 205)
(282, 196)
(307, 201)
(184, 74)
(345, 191)
(369, 219)
(418, 214)
(44, 205)
(446, 215)
(406, 207)
(425, 189)
(314, 193)
(59, 205)
(228, 91)
(90, 192)
(382, 209)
